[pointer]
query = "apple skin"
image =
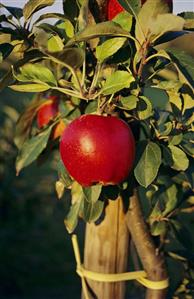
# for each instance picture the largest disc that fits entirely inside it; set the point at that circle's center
(48, 111)
(98, 149)
(114, 7)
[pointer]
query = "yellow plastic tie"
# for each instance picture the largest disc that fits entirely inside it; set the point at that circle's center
(140, 276)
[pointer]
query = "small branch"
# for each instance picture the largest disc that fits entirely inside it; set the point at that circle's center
(152, 262)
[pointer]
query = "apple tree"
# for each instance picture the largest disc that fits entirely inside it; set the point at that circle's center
(87, 62)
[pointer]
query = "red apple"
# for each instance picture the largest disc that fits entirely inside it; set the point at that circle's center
(114, 7)
(98, 149)
(48, 111)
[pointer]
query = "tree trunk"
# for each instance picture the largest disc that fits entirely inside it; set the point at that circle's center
(106, 250)
(152, 261)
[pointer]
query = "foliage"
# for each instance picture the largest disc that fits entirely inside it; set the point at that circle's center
(122, 74)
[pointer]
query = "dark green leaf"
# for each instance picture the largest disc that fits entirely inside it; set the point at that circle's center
(50, 16)
(169, 36)
(63, 174)
(144, 108)
(184, 63)
(71, 9)
(73, 57)
(71, 219)
(31, 149)
(148, 165)
(132, 6)
(116, 82)
(33, 6)
(182, 234)
(171, 199)
(14, 11)
(5, 50)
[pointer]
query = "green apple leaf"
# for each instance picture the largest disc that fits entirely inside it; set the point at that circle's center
(36, 73)
(125, 20)
(144, 108)
(132, 6)
(31, 149)
(180, 160)
(101, 29)
(149, 12)
(128, 103)
(63, 174)
(33, 6)
(116, 82)
(109, 47)
(148, 165)
(171, 200)
(92, 193)
(92, 210)
(184, 63)
(14, 11)
(34, 87)
(158, 228)
(71, 219)
(5, 50)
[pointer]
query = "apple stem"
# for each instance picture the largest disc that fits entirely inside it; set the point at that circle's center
(152, 260)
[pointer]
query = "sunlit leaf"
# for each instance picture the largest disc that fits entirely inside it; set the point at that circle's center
(109, 47)
(34, 87)
(180, 160)
(33, 6)
(144, 108)
(116, 82)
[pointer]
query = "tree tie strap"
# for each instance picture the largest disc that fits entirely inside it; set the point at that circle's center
(140, 276)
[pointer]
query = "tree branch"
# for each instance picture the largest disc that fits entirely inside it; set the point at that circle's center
(152, 262)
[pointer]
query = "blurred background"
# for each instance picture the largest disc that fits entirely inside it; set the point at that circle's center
(36, 256)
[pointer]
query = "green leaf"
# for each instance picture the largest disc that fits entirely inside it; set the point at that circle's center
(180, 160)
(101, 29)
(188, 102)
(14, 11)
(50, 16)
(55, 44)
(148, 165)
(91, 107)
(164, 23)
(185, 64)
(31, 149)
(92, 193)
(149, 12)
(117, 81)
(92, 210)
(128, 103)
(5, 50)
(158, 228)
(109, 47)
(67, 27)
(71, 219)
(71, 9)
(73, 57)
(63, 174)
(36, 73)
(171, 200)
(182, 234)
(30, 87)
(125, 20)
(33, 6)
(144, 108)
(132, 6)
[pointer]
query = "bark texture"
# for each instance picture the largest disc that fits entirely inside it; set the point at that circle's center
(153, 263)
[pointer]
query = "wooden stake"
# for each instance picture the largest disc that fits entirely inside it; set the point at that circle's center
(106, 250)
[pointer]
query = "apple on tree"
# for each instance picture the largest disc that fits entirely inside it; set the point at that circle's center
(98, 149)
(47, 112)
